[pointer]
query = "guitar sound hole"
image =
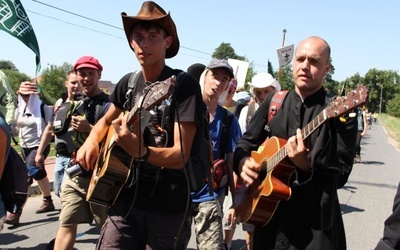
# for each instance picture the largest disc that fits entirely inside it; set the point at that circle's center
(262, 174)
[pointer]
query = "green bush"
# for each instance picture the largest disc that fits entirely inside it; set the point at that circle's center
(393, 106)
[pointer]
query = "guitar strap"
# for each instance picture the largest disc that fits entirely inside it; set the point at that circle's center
(129, 95)
(274, 106)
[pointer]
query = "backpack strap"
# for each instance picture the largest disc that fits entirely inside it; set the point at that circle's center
(275, 105)
(42, 113)
(129, 95)
(227, 118)
(250, 112)
(100, 109)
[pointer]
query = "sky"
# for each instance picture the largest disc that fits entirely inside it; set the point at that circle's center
(362, 34)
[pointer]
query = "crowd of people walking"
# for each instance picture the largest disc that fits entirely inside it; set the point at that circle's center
(196, 150)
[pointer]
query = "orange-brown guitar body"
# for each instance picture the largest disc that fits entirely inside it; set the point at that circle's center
(259, 202)
(262, 198)
(110, 174)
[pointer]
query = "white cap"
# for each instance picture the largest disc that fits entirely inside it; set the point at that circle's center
(263, 80)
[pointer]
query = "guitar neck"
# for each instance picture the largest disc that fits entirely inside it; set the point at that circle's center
(305, 132)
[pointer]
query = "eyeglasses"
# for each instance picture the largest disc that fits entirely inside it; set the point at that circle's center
(24, 95)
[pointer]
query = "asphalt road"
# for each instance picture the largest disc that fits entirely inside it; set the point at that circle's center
(366, 201)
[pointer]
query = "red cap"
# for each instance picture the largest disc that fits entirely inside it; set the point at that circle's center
(88, 62)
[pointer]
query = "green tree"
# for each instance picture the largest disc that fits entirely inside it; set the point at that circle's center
(225, 51)
(52, 82)
(271, 69)
(380, 80)
(393, 106)
(284, 76)
(13, 75)
(7, 65)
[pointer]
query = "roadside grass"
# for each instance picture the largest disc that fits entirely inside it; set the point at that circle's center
(392, 125)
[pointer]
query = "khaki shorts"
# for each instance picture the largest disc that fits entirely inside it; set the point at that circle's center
(74, 207)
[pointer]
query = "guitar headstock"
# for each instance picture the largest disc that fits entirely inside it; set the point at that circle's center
(157, 92)
(341, 105)
(153, 95)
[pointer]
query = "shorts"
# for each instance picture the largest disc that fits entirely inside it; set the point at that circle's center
(29, 155)
(145, 228)
(208, 224)
(74, 207)
(248, 227)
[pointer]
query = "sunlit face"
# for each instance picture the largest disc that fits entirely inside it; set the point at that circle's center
(149, 44)
(216, 82)
(89, 80)
(261, 93)
(72, 85)
(310, 65)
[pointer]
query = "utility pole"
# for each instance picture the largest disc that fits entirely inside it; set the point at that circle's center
(380, 101)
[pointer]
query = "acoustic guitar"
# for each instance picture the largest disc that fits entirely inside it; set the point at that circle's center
(259, 202)
(114, 165)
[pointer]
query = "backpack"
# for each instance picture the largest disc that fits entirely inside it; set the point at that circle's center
(62, 117)
(14, 183)
(82, 107)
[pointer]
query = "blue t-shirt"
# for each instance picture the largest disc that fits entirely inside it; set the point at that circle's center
(216, 133)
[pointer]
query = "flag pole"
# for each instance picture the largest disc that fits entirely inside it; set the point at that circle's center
(283, 44)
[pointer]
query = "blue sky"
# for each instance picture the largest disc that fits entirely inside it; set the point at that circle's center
(362, 34)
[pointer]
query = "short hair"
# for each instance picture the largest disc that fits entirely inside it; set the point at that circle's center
(148, 25)
(69, 73)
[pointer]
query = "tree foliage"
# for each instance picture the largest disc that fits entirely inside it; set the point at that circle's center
(383, 85)
(13, 75)
(52, 81)
(225, 51)
(7, 65)
(284, 76)
(271, 69)
(393, 106)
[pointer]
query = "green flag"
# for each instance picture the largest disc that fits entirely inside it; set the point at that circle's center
(270, 69)
(15, 21)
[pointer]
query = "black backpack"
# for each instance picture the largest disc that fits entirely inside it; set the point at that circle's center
(14, 183)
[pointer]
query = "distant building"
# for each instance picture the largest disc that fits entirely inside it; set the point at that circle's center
(107, 86)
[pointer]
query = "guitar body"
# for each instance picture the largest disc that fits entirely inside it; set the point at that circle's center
(111, 172)
(114, 165)
(261, 199)
(259, 202)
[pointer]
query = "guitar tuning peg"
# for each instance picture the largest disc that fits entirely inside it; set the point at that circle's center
(167, 102)
(153, 112)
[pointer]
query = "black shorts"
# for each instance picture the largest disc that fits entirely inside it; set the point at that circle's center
(29, 155)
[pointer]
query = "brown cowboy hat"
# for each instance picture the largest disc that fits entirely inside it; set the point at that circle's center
(152, 12)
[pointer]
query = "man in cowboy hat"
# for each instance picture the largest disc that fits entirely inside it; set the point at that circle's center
(152, 210)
